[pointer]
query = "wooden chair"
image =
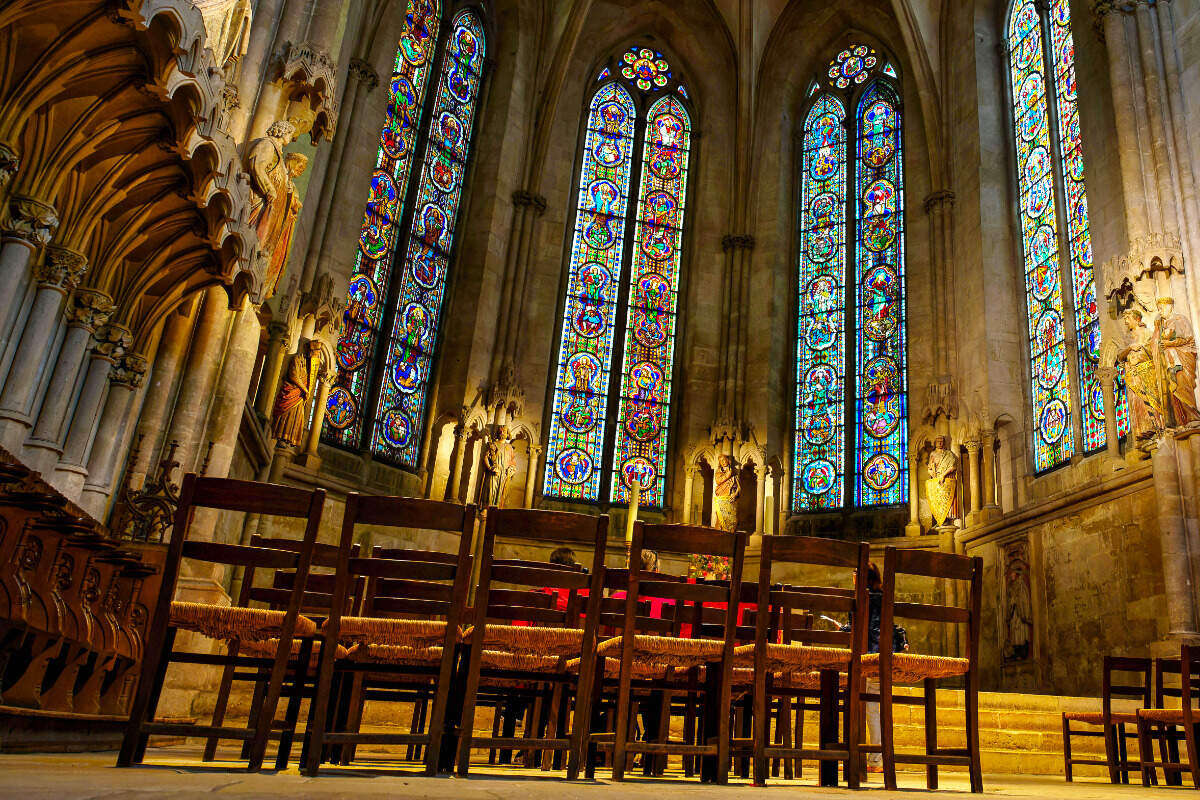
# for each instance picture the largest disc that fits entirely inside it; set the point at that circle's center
(534, 652)
(652, 658)
(828, 653)
(1172, 725)
(409, 622)
(224, 622)
(891, 668)
(1109, 724)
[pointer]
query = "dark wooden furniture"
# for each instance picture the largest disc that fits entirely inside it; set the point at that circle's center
(828, 653)
(891, 668)
(225, 622)
(1132, 682)
(654, 660)
(537, 652)
(1172, 725)
(408, 624)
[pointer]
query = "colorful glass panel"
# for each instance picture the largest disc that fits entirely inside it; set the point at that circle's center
(852, 66)
(881, 413)
(369, 281)
(1079, 238)
(399, 421)
(575, 450)
(1054, 439)
(817, 479)
(644, 406)
(646, 68)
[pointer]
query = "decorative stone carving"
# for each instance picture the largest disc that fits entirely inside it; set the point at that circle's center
(30, 221)
(737, 241)
(1146, 411)
(112, 341)
(290, 415)
(1150, 255)
(941, 488)
(129, 371)
(725, 493)
(939, 199)
(275, 204)
(322, 304)
(10, 162)
(1018, 602)
(523, 197)
(941, 400)
(227, 25)
(364, 73)
(497, 466)
(311, 74)
(89, 309)
(506, 393)
(60, 268)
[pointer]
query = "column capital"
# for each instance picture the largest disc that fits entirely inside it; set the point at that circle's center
(10, 162)
(30, 221)
(129, 371)
(60, 268)
(89, 309)
(972, 446)
(364, 73)
(939, 200)
(524, 197)
(737, 241)
(277, 331)
(112, 342)
(1102, 8)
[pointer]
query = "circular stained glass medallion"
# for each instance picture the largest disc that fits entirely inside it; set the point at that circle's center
(642, 421)
(852, 65)
(573, 466)
(1044, 280)
(646, 68)
(1042, 245)
(819, 294)
(818, 476)
(396, 427)
(881, 471)
(1037, 199)
(1096, 400)
(340, 408)
(817, 428)
(1048, 370)
(1053, 422)
(822, 332)
(638, 469)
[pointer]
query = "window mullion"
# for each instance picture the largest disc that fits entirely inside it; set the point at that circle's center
(850, 432)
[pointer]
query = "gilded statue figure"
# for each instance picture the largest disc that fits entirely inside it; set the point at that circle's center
(727, 489)
(275, 203)
(1141, 377)
(290, 415)
(941, 488)
(1175, 346)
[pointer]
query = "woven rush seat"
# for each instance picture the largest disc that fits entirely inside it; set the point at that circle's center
(527, 638)
(521, 662)
(666, 651)
(916, 667)
(235, 622)
(612, 669)
(395, 654)
(415, 633)
(1097, 717)
(1170, 715)
(789, 657)
(267, 648)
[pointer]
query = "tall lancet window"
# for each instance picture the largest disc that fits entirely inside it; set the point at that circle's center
(405, 249)
(610, 428)
(1053, 210)
(851, 420)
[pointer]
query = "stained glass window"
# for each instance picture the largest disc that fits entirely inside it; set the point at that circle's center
(852, 235)
(622, 253)
(400, 277)
(1050, 151)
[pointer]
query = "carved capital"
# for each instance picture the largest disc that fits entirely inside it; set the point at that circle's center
(129, 371)
(506, 393)
(737, 241)
(523, 197)
(322, 304)
(277, 332)
(89, 309)
(30, 221)
(112, 341)
(364, 73)
(1150, 255)
(60, 268)
(941, 199)
(10, 162)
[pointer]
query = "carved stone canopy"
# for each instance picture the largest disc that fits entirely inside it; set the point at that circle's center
(1150, 255)
(30, 221)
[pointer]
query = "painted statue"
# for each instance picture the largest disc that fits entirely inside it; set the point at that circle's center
(726, 491)
(1141, 377)
(290, 416)
(275, 203)
(941, 488)
(1175, 347)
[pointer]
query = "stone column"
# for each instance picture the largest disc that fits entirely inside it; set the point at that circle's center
(57, 275)
(689, 485)
(760, 500)
(1108, 377)
(199, 378)
(254, 65)
(268, 386)
(229, 396)
(976, 477)
(456, 461)
(86, 312)
(988, 442)
(1172, 527)
(28, 227)
(311, 457)
(172, 348)
(111, 343)
(913, 528)
(126, 379)
(532, 473)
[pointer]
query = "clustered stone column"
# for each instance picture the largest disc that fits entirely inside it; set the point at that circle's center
(29, 225)
(125, 379)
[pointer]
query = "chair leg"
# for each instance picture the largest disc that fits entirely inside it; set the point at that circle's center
(761, 730)
(1066, 725)
(722, 699)
(1193, 756)
(145, 703)
(886, 731)
(624, 707)
(1147, 752)
(971, 701)
(292, 715)
(467, 723)
(1122, 754)
(931, 771)
(266, 717)
(218, 717)
(1110, 753)
(588, 694)
(436, 725)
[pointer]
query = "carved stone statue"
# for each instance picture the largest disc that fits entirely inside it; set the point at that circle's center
(497, 468)
(941, 488)
(1018, 605)
(290, 416)
(1141, 377)
(275, 202)
(1175, 347)
(727, 487)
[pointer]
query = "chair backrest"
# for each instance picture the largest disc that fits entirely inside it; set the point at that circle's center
(831, 556)
(318, 591)
(1126, 679)
(405, 582)
(688, 597)
(266, 499)
(1187, 668)
(525, 578)
(929, 564)
(656, 616)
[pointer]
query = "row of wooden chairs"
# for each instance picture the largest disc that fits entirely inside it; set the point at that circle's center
(341, 627)
(1159, 695)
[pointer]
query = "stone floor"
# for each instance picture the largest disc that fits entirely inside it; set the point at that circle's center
(175, 773)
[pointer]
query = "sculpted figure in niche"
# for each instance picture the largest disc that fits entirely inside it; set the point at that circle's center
(727, 488)
(941, 488)
(1176, 350)
(290, 416)
(497, 468)
(1019, 604)
(1141, 377)
(275, 203)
